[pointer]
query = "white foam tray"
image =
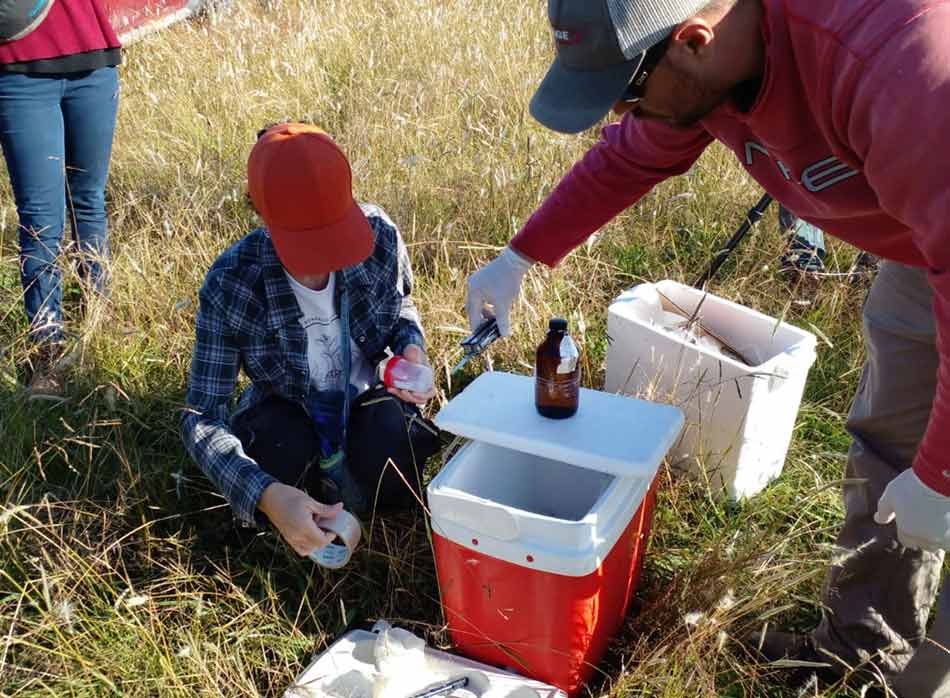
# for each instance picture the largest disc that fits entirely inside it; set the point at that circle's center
(346, 670)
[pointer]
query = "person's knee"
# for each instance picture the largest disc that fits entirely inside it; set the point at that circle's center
(386, 456)
(88, 205)
(279, 436)
(41, 229)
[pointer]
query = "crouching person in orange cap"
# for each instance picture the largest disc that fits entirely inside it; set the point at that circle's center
(307, 306)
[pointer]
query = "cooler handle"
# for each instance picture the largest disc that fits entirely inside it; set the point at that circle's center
(797, 357)
(483, 518)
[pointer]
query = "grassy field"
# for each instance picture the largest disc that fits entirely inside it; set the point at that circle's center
(116, 575)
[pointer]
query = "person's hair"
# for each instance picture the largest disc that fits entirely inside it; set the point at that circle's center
(718, 5)
(268, 127)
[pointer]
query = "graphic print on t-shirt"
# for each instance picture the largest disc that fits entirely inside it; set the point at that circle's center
(324, 351)
(321, 322)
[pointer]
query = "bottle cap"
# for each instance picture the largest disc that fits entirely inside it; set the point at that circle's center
(384, 369)
(558, 324)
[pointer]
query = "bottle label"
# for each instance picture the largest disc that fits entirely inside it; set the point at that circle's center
(569, 356)
(332, 556)
(559, 390)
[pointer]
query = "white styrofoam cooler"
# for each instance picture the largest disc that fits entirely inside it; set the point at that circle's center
(739, 418)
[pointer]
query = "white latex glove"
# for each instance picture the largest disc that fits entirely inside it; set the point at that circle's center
(923, 515)
(497, 284)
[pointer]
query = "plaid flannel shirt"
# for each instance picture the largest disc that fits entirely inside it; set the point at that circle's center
(249, 318)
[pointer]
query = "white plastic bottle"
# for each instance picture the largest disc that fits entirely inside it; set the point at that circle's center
(397, 372)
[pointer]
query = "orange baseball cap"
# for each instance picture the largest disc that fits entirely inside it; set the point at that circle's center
(301, 184)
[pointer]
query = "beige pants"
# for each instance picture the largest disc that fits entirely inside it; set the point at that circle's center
(878, 594)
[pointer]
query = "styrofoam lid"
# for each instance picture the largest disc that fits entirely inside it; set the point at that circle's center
(610, 433)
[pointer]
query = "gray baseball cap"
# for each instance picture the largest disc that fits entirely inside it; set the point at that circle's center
(600, 45)
(20, 17)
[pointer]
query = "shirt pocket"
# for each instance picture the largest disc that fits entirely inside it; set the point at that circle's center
(375, 316)
(389, 304)
(263, 361)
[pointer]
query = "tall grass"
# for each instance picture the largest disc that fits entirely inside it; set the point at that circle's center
(119, 572)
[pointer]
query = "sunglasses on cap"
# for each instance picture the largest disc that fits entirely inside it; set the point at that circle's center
(636, 88)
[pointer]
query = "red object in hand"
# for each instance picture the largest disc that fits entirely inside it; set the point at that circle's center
(402, 374)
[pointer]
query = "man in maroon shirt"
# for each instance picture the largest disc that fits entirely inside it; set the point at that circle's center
(869, 84)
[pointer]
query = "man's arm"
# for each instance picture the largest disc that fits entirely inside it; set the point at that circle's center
(631, 158)
(204, 425)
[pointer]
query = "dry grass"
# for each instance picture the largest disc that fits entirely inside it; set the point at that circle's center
(114, 575)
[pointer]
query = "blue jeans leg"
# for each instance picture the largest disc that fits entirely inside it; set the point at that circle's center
(89, 110)
(806, 250)
(49, 125)
(31, 133)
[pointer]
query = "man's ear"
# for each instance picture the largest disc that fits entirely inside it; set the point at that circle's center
(693, 35)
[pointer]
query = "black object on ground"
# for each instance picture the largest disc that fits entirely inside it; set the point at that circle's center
(752, 217)
(442, 689)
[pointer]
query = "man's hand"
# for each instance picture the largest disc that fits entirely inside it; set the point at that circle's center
(296, 515)
(414, 354)
(497, 284)
(923, 516)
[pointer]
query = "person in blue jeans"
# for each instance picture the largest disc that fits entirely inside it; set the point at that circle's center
(805, 253)
(806, 247)
(57, 119)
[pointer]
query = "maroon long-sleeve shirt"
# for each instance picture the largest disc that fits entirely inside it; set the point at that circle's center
(851, 131)
(71, 27)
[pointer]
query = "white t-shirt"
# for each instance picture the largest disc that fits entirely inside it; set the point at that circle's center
(321, 322)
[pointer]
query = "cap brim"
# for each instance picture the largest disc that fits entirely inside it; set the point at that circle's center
(571, 101)
(329, 248)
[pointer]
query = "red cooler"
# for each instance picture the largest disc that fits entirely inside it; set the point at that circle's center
(540, 526)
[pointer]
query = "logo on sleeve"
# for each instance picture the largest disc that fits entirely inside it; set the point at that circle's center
(567, 37)
(817, 177)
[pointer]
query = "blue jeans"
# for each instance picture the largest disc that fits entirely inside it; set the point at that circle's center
(56, 132)
(806, 251)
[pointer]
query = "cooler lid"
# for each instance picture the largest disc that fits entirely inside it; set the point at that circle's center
(610, 433)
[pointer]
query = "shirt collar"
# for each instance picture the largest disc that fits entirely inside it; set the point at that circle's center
(282, 306)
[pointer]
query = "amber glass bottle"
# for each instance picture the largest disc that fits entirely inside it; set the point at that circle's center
(557, 382)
